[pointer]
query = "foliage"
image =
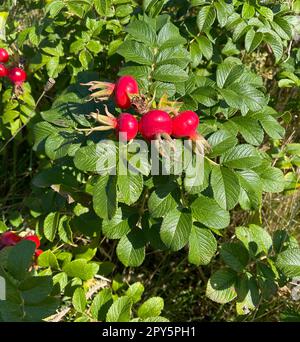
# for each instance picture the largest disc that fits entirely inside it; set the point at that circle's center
(197, 53)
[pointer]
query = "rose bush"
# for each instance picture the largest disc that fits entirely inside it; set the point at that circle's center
(181, 58)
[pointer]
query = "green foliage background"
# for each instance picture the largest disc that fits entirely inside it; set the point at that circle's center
(112, 241)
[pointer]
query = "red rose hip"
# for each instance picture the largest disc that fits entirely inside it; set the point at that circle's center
(4, 56)
(34, 239)
(17, 75)
(125, 86)
(185, 124)
(128, 125)
(154, 123)
(9, 239)
(3, 71)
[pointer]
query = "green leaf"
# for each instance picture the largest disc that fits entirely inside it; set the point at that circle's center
(54, 7)
(51, 225)
(206, 18)
(248, 11)
(79, 300)
(176, 228)
(48, 259)
(235, 255)
(205, 95)
(85, 58)
(82, 269)
(151, 308)
(288, 262)
(220, 142)
(94, 46)
(130, 188)
(64, 230)
(103, 7)
(131, 248)
(241, 157)
(248, 294)
(270, 125)
(250, 130)
(255, 239)
(222, 13)
(20, 259)
(275, 43)
(142, 32)
(119, 225)
(162, 200)
(282, 28)
(266, 12)
(227, 73)
(202, 246)
(206, 211)
(272, 179)
(220, 287)
(253, 40)
(95, 158)
(105, 196)
(136, 52)
(101, 304)
(169, 36)
(205, 46)
(120, 311)
(135, 291)
(170, 73)
(226, 187)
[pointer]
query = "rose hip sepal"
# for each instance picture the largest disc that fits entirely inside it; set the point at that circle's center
(185, 125)
(124, 89)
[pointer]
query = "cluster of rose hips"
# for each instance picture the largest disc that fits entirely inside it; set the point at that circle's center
(8, 239)
(154, 123)
(16, 75)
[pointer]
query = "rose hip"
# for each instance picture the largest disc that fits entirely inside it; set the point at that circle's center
(185, 124)
(34, 239)
(4, 56)
(3, 71)
(154, 123)
(17, 75)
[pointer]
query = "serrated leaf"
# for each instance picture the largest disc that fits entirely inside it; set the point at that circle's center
(253, 40)
(206, 211)
(241, 157)
(82, 269)
(206, 18)
(120, 311)
(162, 200)
(235, 255)
(202, 246)
(136, 52)
(119, 225)
(170, 73)
(220, 287)
(288, 262)
(142, 32)
(79, 300)
(51, 225)
(130, 188)
(175, 229)
(131, 249)
(135, 291)
(220, 142)
(105, 196)
(255, 238)
(226, 187)
(151, 308)
(227, 73)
